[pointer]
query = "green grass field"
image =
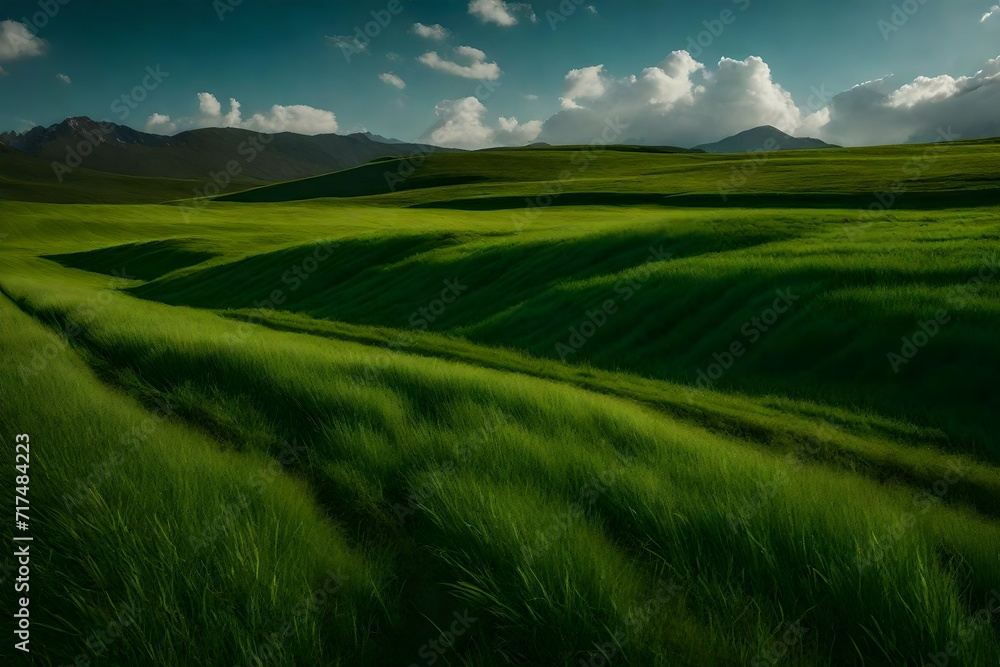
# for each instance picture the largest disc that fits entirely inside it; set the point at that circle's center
(540, 407)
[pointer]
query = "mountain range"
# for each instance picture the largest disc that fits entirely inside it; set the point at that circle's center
(198, 154)
(764, 138)
(248, 157)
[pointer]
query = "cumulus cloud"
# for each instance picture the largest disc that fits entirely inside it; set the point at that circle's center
(349, 44)
(500, 12)
(478, 69)
(887, 111)
(64, 78)
(923, 89)
(995, 9)
(684, 102)
(461, 124)
(297, 118)
(17, 42)
(392, 80)
(513, 133)
(160, 124)
(436, 31)
(678, 102)
(587, 83)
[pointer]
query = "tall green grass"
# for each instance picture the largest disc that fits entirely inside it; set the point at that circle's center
(547, 512)
(252, 447)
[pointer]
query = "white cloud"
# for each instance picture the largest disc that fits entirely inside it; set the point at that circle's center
(995, 9)
(586, 83)
(678, 102)
(461, 125)
(592, 9)
(513, 133)
(885, 112)
(500, 12)
(17, 41)
(923, 89)
(394, 57)
(160, 124)
(63, 78)
(530, 97)
(436, 31)
(684, 103)
(392, 80)
(297, 118)
(479, 69)
(349, 44)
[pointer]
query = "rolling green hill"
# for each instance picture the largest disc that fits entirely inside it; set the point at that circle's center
(24, 178)
(251, 157)
(927, 176)
(324, 422)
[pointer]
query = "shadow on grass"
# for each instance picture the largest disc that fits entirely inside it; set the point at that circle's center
(145, 261)
(865, 201)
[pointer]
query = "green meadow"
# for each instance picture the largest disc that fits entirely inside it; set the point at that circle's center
(527, 407)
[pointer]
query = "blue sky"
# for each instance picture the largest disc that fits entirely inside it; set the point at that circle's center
(265, 53)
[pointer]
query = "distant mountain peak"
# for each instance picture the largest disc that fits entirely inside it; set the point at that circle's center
(766, 130)
(380, 139)
(763, 138)
(106, 146)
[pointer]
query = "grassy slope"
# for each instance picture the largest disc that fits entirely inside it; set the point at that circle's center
(858, 297)
(547, 498)
(453, 443)
(502, 179)
(24, 178)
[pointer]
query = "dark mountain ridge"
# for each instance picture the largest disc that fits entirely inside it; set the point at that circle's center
(201, 153)
(764, 138)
